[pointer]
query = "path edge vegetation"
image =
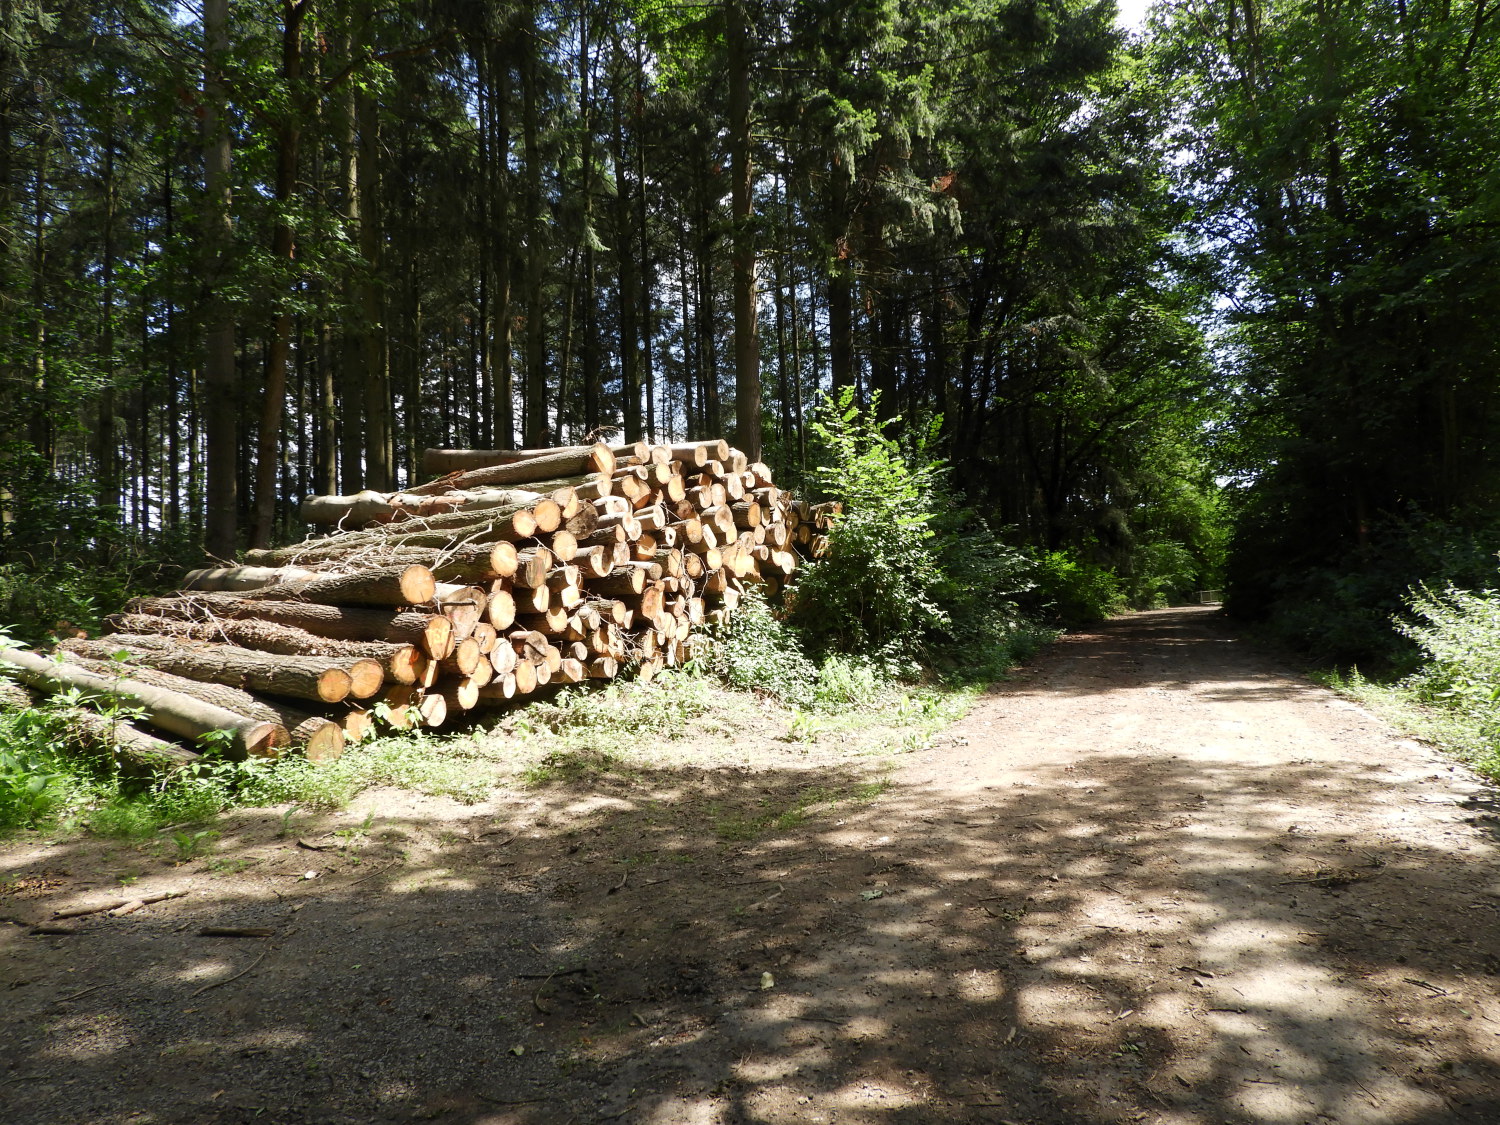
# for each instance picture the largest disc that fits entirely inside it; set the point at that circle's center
(917, 606)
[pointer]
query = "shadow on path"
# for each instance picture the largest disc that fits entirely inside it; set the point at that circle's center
(1101, 900)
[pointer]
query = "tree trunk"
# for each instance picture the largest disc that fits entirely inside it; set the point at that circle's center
(742, 208)
(283, 252)
(535, 420)
(165, 710)
(220, 375)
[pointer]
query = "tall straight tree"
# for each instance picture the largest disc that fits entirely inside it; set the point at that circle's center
(288, 132)
(742, 209)
(220, 373)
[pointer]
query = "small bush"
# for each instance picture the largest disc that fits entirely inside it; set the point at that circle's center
(875, 591)
(757, 652)
(1459, 633)
(1074, 591)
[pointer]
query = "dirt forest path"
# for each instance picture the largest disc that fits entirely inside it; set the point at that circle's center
(1156, 878)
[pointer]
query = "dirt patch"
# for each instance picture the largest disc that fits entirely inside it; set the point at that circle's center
(1157, 878)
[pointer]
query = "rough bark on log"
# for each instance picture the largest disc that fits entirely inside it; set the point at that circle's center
(381, 586)
(510, 523)
(112, 739)
(596, 458)
(443, 461)
(399, 661)
(240, 578)
(165, 710)
(297, 677)
(428, 631)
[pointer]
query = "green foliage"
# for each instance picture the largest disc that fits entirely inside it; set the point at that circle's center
(664, 707)
(1074, 591)
(1340, 610)
(1158, 572)
(875, 591)
(1458, 632)
(30, 787)
(756, 651)
(1364, 258)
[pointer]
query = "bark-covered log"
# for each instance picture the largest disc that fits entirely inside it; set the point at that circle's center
(240, 578)
(314, 735)
(109, 738)
(297, 677)
(596, 458)
(165, 710)
(429, 631)
(510, 523)
(443, 461)
(387, 586)
(399, 661)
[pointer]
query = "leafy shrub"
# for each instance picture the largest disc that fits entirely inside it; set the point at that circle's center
(875, 591)
(1074, 591)
(1159, 572)
(1459, 633)
(757, 652)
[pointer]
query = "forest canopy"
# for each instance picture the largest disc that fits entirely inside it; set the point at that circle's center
(1225, 283)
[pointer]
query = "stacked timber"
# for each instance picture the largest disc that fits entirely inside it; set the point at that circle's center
(512, 570)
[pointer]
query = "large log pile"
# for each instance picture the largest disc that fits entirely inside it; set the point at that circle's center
(513, 570)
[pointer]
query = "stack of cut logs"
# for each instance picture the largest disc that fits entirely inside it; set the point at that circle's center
(512, 570)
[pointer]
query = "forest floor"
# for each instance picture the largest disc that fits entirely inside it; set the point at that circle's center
(1157, 877)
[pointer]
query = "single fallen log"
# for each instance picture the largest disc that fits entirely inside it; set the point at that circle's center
(239, 578)
(390, 586)
(165, 710)
(296, 677)
(430, 632)
(319, 738)
(401, 662)
(596, 459)
(509, 524)
(588, 458)
(103, 736)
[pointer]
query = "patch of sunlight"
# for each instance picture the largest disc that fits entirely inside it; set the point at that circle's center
(87, 1036)
(684, 1111)
(203, 970)
(864, 1095)
(431, 879)
(979, 985)
(784, 1064)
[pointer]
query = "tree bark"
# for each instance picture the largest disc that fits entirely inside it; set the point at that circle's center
(283, 252)
(430, 632)
(742, 208)
(314, 678)
(318, 737)
(399, 662)
(166, 710)
(220, 376)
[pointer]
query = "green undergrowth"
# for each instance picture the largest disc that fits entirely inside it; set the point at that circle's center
(1453, 732)
(755, 700)
(1452, 700)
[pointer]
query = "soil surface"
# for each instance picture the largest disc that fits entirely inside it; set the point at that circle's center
(1155, 878)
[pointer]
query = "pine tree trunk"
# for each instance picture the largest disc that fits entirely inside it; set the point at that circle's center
(220, 375)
